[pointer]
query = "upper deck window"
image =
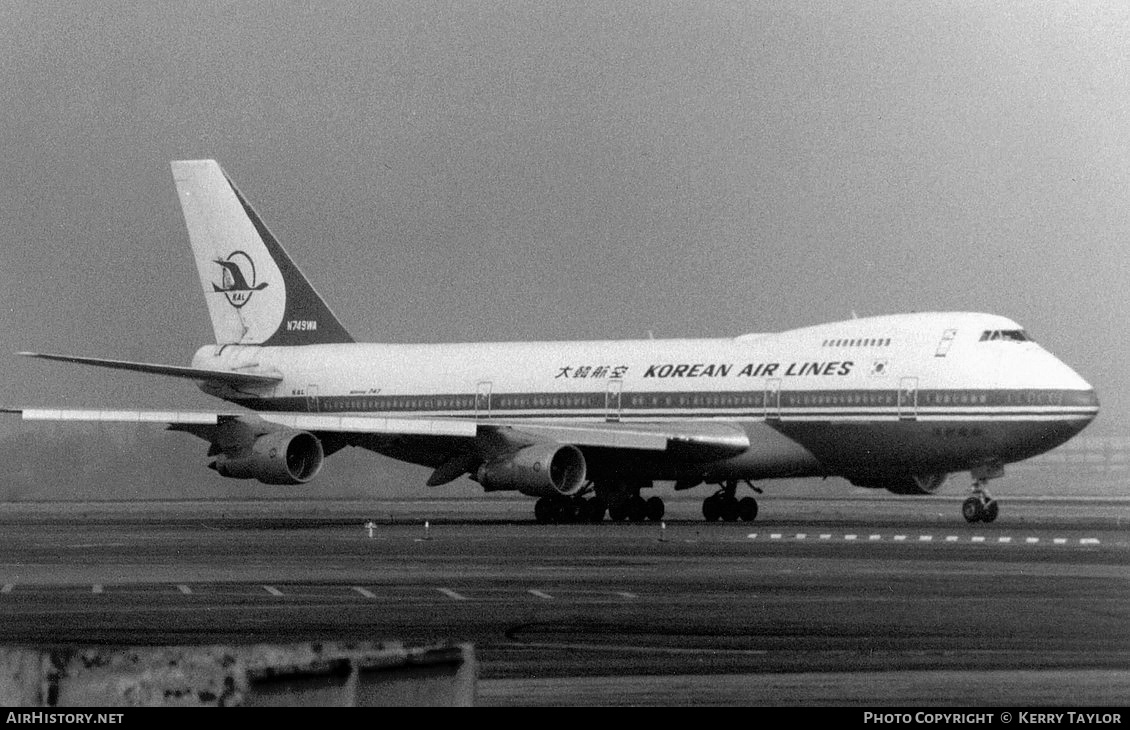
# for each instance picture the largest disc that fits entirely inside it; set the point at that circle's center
(1010, 335)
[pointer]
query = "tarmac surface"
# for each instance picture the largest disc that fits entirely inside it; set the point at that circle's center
(860, 601)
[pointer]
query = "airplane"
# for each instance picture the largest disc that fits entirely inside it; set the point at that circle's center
(895, 402)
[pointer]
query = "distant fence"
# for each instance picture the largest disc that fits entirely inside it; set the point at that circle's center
(1101, 456)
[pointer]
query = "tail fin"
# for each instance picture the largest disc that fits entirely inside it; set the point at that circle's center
(255, 293)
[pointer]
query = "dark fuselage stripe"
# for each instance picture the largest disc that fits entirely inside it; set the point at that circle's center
(752, 404)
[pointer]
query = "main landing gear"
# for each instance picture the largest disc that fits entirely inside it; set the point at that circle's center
(980, 507)
(567, 510)
(620, 501)
(725, 505)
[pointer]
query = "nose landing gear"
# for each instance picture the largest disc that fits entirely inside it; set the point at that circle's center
(980, 506)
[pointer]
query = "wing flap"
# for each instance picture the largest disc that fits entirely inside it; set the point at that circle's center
(373, 424)
(696, 440)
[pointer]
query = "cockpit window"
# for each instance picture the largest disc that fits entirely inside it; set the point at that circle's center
(1010, 335)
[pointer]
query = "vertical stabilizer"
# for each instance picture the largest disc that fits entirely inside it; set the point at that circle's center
(255, 293)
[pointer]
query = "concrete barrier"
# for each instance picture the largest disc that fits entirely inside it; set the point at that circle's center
(315, 674)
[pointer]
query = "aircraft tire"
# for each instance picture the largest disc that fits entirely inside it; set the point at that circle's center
(596, 508)
(747, 509)
(618, 511)
(637, 509)
(573, 511)
(655, 508)
(971, 509)
(543, 510)
(990, 511)
(730, 510)
(711, 509)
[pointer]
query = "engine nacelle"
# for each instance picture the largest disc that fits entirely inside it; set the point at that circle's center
(279, 457)
(909, 484)
(541, 470)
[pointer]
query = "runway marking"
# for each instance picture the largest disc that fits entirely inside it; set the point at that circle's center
(185, 590)
(96, 588)
(452, 594)
(7, 588)
(272, 590)
(363, 592)
(852, 537)
(540, 594)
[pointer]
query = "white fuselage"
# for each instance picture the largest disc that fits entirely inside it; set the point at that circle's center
(862, 398)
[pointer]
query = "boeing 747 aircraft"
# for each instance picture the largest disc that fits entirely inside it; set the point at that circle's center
(892, 402)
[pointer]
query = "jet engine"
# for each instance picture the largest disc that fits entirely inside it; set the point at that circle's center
(541, 470)
(909, 484)
(279, 457)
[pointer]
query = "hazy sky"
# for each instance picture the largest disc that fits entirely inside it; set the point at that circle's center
(581, 170)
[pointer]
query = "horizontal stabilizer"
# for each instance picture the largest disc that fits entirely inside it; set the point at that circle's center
(223, 377)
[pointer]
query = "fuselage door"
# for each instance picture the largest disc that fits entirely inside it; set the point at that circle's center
(482, 399)
(944, 345)
(772, 399)
(312, 398)
(612, 398)
(908, 399)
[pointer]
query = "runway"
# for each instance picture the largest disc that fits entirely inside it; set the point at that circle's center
(849, 601)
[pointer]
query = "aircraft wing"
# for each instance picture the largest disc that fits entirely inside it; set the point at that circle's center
(198, 421)
(452, 446)
(223, 377)
(698, 440)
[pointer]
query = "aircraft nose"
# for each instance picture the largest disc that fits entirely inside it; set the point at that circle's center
(1080, 394)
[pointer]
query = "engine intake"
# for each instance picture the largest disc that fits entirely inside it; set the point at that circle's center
(542, 470)
(909, 484)
(280, 457)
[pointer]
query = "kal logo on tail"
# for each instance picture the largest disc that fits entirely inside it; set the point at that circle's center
(235, 284)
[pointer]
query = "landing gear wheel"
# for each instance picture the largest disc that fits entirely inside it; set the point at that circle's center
(596, 509)
(711, 509)
(567, 511)
(972, 510)
(637, 509)
(729, 509)
(654, 509)
(747, 509)
(989, 511)
(618, 511)
(543, 510)
(980, 505)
